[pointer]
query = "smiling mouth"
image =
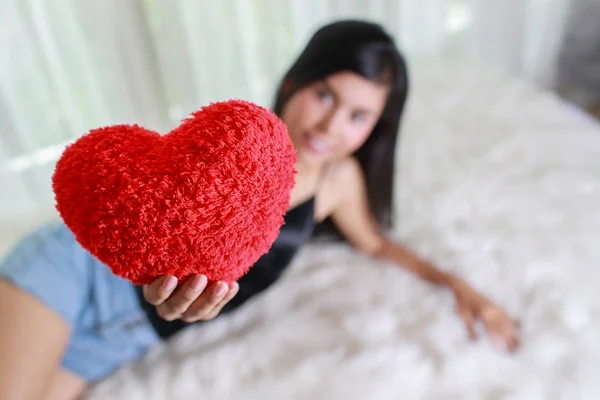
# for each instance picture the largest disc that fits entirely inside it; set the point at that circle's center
(317, 146)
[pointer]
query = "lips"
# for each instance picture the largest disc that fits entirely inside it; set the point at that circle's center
(317, 146)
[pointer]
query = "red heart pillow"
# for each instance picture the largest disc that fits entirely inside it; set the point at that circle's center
(208, 197)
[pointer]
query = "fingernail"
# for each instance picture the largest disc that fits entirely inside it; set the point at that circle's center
(198, 283)
(220, 289)
(169, 283)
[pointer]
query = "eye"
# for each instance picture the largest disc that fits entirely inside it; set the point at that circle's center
(324, 94)
(358, 116)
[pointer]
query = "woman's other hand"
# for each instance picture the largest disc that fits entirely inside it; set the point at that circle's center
(472, 307)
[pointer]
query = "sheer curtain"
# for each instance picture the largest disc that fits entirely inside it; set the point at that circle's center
(67, 66)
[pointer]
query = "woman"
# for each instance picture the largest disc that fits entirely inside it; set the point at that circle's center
(65, 320)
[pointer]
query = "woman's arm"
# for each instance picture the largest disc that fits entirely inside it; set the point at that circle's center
(352, 217)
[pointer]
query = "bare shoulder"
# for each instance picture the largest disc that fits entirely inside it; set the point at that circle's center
(341, 180)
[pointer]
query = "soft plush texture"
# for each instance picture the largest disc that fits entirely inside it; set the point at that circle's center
(208, 197)
(497, 182)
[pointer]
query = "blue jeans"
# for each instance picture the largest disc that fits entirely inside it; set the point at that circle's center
(108, 326)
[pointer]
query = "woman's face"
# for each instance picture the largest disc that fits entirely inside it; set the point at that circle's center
(332, 118)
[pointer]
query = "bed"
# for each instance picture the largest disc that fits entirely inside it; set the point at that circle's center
(496, 181)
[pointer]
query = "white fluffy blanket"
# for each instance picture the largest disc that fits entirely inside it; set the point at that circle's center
(497, 182)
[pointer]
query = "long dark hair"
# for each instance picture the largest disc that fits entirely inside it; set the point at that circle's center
(367, 50)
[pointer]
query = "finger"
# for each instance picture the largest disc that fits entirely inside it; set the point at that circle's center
(502, 329)
(503, 335)
(182, 298)
(204, 305)
(468, 318)
(233, 290)
(160, 290)
(514, 342)
(505, 343)
(499, 343)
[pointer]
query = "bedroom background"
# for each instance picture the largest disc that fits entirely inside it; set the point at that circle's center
(499, 177)
(67, 66)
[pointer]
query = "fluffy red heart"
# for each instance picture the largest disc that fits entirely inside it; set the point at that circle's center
(208, 197)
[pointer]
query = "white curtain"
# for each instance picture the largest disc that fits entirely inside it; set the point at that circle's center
(67, 66)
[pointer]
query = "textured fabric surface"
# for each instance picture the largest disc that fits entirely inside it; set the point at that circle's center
(497, 182)
(208, 197)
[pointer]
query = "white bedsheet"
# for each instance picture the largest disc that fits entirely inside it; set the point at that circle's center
(497, 182)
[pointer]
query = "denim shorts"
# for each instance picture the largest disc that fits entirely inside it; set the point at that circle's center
(108, 326)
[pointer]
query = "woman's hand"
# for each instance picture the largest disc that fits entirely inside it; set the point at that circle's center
(472, 307)
(191, 301)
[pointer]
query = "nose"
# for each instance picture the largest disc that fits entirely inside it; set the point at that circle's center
(331, 122)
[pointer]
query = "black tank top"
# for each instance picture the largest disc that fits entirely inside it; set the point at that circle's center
(297, 229)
